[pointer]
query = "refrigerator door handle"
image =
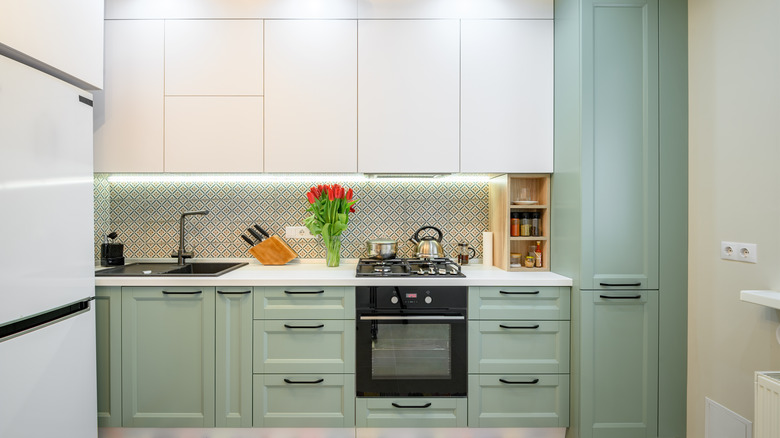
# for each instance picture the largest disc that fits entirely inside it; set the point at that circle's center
(49, 317)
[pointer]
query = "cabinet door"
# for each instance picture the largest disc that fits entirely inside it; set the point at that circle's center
(311, 96)
(507, 96)
(234, 357)
(511, 302)
(519, 400)
(108, 321)
(411, 412)
(129, 112)
(214, 57)
(168, 357)
(305, 302)
(619, 345)
(304, 400)
(213, 134)
(519, 346)
(408, 96)
(620, 145)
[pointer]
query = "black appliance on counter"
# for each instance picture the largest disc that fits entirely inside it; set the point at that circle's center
(411, 341)
(400, 267)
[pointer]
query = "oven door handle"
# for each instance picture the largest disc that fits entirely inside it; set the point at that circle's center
(413, 318)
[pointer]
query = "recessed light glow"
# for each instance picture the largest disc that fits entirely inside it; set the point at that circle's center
(284, 178)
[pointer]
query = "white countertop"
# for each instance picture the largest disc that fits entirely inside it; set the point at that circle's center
(767, 298)
(317, 274)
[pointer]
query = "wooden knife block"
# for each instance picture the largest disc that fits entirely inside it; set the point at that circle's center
(273, 251)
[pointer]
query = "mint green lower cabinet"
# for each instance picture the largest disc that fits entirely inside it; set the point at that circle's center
(526, 302)
(518, 347)
(619, 364)
(305, 302)
(168, 347)
(304, 400)
(304, 346)
(234, 357)
(519, 400)
(108, 319)
(411, 412)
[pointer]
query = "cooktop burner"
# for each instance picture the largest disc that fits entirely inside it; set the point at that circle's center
(437, 267)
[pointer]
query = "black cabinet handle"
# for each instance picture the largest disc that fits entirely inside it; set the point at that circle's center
(621, 284)
(536, 292)
(243, 292)
(304, 326)
(621, 297)
(303, 382)
(529, 327)
(508, 382)
(194, 292)
(427, 405)
(292, 292)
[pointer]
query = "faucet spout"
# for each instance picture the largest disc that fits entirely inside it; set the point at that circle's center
(181, 254)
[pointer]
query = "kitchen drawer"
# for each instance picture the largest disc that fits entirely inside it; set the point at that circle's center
(519, 400)
(411, 412)
(499, 347)
(304, 400)
(548, 303)
(304, 346)
(305, 302)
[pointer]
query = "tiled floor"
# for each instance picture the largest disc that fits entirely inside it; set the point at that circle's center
(331, 433)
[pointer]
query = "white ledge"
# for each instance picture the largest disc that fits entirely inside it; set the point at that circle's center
(767, 298)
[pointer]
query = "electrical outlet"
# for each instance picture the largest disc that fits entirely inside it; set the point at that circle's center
(739, 252)
(297, 233)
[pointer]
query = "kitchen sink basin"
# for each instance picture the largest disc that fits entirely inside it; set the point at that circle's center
(199, 269)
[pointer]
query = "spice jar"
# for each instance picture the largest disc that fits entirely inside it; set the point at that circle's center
(525, 225)
(515, 260)
(535, 230)
(530, 261)
(514, 228)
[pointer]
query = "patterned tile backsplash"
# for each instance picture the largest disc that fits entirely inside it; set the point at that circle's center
(146, 215)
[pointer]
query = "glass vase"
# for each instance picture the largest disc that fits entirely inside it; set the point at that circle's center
(333, 251)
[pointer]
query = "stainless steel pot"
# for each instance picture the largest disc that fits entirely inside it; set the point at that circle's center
(428, 247)
(381, 248)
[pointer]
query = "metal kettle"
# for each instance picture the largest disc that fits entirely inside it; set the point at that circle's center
(428, 247)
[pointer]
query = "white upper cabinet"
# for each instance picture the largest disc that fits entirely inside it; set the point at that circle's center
(213, 134)
(65, 35)
(507, 96)
(216, 9)
(311, 96)
(214, 57)
(529, 9)
(128, 115)
(408, 96)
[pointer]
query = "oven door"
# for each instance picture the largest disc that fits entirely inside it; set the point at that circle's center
(411, 355)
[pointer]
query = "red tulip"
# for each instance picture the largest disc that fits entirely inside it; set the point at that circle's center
(331, 195)
(352, 209)
(349, 195)
(311, 197)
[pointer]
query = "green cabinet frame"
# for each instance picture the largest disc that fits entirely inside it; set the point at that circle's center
(233, 357)
(108, 323)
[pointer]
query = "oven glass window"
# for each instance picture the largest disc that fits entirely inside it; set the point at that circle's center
(411, 351)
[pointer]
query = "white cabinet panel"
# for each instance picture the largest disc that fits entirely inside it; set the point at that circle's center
(213, 57)
(408, 96)
(230, 9)
(532, 9)
(507, 96)
(311, 96)
(66, 35)
(213, 134)
(129, 113)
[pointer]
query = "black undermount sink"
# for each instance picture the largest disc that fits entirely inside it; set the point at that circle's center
(198, 269)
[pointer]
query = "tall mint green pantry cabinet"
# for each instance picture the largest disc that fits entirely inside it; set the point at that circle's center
(620, 211)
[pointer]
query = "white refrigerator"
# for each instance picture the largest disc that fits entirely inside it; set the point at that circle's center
(47, 321)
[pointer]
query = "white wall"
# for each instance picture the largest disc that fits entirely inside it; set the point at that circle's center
(734, 68)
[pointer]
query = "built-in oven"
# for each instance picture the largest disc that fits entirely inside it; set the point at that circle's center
(411, 341)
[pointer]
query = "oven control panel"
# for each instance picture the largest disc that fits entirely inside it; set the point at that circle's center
(421, 297)
(411, 297)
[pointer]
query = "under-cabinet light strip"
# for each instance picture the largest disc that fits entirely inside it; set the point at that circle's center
(266, 177)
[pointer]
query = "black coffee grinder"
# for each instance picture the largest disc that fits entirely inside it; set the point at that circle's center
(112, 254)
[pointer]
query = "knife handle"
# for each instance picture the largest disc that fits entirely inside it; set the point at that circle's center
(262, 231)
(257, 235)
(248, 240)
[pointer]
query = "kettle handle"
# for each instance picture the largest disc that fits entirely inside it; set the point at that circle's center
(416, 237)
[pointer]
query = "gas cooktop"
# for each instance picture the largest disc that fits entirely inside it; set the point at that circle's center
(436, 267)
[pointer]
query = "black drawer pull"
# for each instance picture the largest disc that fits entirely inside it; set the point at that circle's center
(303, 382)
(508, 382)
(304, 292)
(304, 326)
(396, 405)
(529, 327)
(536, 292)
(621, 284)
(621, 297)
(194, 292)
(243, 292)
